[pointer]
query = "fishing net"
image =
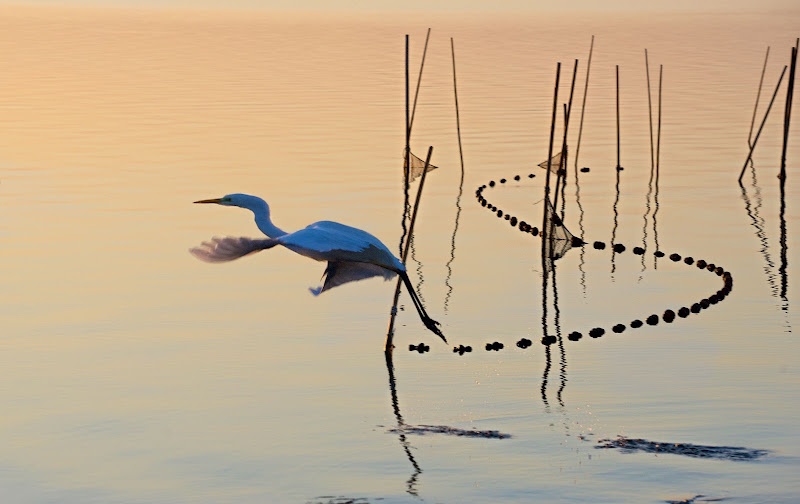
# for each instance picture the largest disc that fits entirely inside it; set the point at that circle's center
(417, 166)
(556, 162)
(558, 237)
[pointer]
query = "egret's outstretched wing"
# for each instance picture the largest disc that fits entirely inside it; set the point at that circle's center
(341, 272)
(230, 248)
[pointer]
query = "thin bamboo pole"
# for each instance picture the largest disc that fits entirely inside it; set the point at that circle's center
(419, 81)
(650, 111)
(758, 97)
(390, 333)
(407, 166)
(658, 167)
(788, 113)
(406, 160)
(562, 165)
(583, 106)
(458, 119)
(658, 138)
(545, 238)
(618, 165)
(760, 128)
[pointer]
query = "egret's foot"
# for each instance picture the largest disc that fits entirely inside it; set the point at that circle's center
(433, 326)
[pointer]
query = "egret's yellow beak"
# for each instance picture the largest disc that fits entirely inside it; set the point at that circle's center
(212, 200)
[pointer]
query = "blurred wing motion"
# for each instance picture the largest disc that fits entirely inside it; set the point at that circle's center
(230, 248)
(340, 272)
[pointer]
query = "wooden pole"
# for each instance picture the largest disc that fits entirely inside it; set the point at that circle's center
(562, 165)
(758, 97)
(758, 134)
(390, 333)
(458, 120)
(406, 159)
(618, 165)
(407, 166)
(788, 113)
(658, 167)
(650, 111)
(658, 137)
(583, 107)
(419, 80)
(545, 238)
(786, 119)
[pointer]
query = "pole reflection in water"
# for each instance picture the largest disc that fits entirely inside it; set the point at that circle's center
(753, 209)
(460, 185)
(449, 264)
(401, 425)
(419, 268)
(784, 260)
(753, 204)
(614, 228)
(549, 340)
(582, 261)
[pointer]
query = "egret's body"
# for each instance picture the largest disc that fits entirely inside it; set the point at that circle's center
(352, 254)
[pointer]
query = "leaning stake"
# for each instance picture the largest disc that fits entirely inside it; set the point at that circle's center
(389, 335)
(766, 114)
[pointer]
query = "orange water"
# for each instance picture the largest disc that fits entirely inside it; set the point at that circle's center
(133, 372)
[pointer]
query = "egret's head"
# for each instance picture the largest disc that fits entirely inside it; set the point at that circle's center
(236, 199)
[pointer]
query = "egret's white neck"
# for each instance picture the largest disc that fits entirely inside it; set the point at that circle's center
(260, 210)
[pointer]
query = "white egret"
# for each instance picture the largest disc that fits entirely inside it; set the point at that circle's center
(352, 254)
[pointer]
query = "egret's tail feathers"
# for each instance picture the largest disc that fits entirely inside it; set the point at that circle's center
(230, 248)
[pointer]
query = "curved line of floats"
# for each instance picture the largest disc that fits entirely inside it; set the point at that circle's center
(667, 316)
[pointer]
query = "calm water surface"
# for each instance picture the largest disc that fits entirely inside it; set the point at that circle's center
(132, 372)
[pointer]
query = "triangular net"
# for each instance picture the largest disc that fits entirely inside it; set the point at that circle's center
(555, 163)
(559, 239)
(417, 166)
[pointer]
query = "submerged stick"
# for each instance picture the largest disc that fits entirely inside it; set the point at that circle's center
(390, 334)
(758, 97)
(760, 128)
(583, 107)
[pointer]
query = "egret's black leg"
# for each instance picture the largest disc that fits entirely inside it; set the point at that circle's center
(431, 324)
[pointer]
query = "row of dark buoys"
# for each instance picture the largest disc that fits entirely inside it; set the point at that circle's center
(512, 220)
(668, 316)
(421, 348)
(461, 349)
